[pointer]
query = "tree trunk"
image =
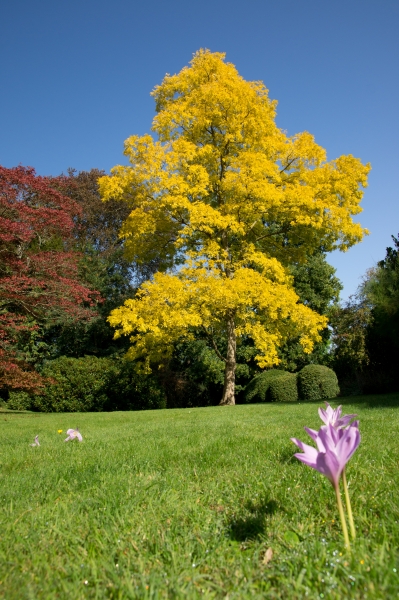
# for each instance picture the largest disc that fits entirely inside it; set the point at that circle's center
(230, 369)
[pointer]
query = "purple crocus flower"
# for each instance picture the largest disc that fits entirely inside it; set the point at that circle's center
(329, 416)
(36, 442)
(334, 449)
(336, 442)
(74, 434)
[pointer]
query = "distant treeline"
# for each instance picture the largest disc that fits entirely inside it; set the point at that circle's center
(63, 269)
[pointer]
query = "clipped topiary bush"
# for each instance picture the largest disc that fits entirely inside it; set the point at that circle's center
(284, 389)
(258, 389)
(316, 382)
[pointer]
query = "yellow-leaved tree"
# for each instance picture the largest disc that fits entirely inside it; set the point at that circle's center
(224, 200)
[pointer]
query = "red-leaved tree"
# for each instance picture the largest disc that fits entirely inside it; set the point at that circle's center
(39, 282)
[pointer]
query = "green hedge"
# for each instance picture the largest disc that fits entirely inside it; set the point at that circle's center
(284, 389)
(258, 389)
(80, 385)
(316, 382)
(92, 384)
(19, 401)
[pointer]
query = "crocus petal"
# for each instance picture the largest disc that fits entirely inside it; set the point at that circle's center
(309, 456)
(307, 460)
(344, 421)
(334, 434)
(324, 415)
(312, 432)
(327, 464)
(327, 460)
(347, 445)
(74, 434)
(326, 438)
(324, 462)
(298, 443)
(336, 414)
(329, 416)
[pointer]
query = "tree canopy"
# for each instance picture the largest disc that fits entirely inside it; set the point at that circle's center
(381, 286)
(380, 290)
(39, 282)
(226, 202)
(102, 267)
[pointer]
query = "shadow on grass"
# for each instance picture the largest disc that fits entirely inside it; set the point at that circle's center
(372, 400)
(9, 411)
(364, 401)
(252, 524)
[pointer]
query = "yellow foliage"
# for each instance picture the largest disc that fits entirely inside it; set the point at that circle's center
(238, 200)
(265, 308)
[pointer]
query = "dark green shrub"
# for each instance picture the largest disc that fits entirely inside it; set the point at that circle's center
(316, 382)
(97, 384)
(80, 384)
(194, 376)
(19, 401)
(258, 389)
(127, 390)
(284, 389)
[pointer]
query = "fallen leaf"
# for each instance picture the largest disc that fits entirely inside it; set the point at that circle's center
(268, 556)
(291, 537)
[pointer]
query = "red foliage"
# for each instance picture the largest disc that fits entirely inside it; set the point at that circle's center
(38, 273)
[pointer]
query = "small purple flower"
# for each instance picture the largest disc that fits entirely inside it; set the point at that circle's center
(336, 442)
(334, 449)
(36, 442)
(74, 434)
(329, 416)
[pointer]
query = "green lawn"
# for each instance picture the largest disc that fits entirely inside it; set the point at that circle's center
(185, 504)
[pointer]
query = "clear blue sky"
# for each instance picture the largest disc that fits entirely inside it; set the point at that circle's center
(76, 78)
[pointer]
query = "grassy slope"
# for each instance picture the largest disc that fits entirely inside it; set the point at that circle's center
(185, 503)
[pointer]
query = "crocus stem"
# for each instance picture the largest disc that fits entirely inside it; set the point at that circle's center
(348, 506)
(342, 516)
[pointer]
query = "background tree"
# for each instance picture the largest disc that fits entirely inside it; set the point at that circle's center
(318, 288)
(39, 283)
(228, 194)
(381, 292)
(350, 323)
(381, 285)
(365, 331)
(103, 266)
(194, 375)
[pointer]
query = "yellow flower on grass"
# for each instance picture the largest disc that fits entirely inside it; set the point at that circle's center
(59, 430)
